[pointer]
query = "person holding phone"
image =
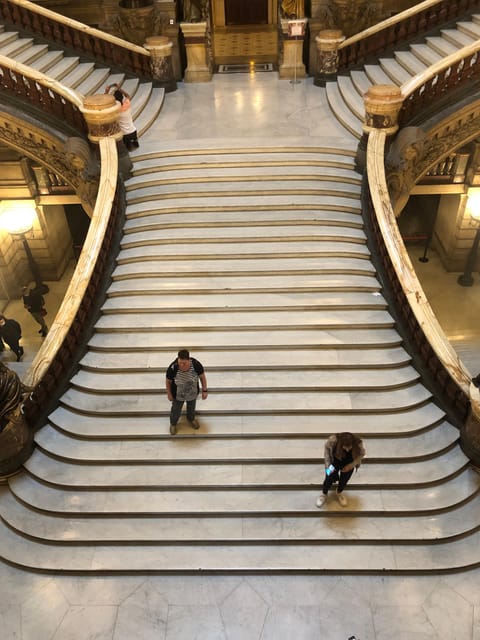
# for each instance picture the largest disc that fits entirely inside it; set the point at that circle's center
(343, 453)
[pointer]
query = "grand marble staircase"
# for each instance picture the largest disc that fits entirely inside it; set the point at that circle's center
(253, 256)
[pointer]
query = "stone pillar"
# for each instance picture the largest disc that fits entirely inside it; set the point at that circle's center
(161, 66)
(198, 69)
(292, 66)
(382, 106)
(101, 112)
(328, 41)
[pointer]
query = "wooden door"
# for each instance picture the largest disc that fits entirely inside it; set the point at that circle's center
(246, 12)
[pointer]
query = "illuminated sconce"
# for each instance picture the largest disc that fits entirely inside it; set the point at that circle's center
(17, 218)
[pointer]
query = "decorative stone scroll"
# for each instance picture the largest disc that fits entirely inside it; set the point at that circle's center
(160, 48)
(328, 41)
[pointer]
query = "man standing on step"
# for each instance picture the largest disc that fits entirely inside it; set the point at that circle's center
(182, 383)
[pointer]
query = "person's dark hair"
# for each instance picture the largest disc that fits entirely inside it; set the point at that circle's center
(118, 95)
(347, 439)
(184, 354)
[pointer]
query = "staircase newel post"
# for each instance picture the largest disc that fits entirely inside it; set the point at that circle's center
(328, 42)
(382, 106)
(101, 115)
(198, 68)
(161, 66)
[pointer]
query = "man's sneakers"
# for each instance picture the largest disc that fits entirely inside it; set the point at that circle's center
(194, 424)
(173, 429)
(321, 500)
(342, 499)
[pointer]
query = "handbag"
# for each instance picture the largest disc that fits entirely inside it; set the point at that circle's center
(43, 311)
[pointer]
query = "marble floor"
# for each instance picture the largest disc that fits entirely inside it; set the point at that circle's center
(49, 607)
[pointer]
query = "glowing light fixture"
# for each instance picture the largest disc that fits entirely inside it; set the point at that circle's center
(473, 208)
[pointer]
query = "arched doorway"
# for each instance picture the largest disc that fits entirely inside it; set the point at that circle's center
(244, 31)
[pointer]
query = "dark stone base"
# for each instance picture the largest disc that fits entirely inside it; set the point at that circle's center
(321, 79)
(16, 445)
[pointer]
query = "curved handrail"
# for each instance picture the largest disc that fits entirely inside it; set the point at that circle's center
(402, 265)
(399, 28)
(76, 35)
(87, 263)
(38, 89)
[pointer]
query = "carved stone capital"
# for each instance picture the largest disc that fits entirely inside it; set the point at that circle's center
(327, 41)
(160, 48)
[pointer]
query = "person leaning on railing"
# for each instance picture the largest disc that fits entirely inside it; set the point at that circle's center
(125, 119)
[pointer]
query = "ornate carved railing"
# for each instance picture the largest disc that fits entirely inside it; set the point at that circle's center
(39, 91)
(400, 29)
(444, 367)
(68, 33)
(50, 370)
(460, 70)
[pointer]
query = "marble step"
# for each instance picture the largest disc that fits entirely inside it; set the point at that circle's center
(254, 475)
(381, 424)
(440, 45)
(360, 81)
(33, 53)
(250, 274)
(63, 67)
(248, 359)
(6, 37)
(341, 110)
(225, 320)
(425, 53)
(158, 164)
(233, 175)
(262, 209)
(273, 558)
(410, 62)
(247, 232)
(95, 82)
(47, 61)
(459, 38)
(311, 338)
(463, 520)
(351, 96)
(398, 75)
(265, 457)
(335, 258)
(145, 296)
(222, 382)
(228, 192)
(150, 111)
(15, 46)
(249, 502)
(158, 218)
(254, 402)
(472, 29)
(376, 74)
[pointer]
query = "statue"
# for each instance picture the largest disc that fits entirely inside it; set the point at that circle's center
(16, 437)
(293, 9)
(193, 10)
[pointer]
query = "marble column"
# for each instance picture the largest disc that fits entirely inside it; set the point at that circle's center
(328, 41)
(160, 48)
(198, 69)
(292, 66)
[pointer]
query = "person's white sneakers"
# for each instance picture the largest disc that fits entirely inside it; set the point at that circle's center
(322, 498)
(342, 499)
